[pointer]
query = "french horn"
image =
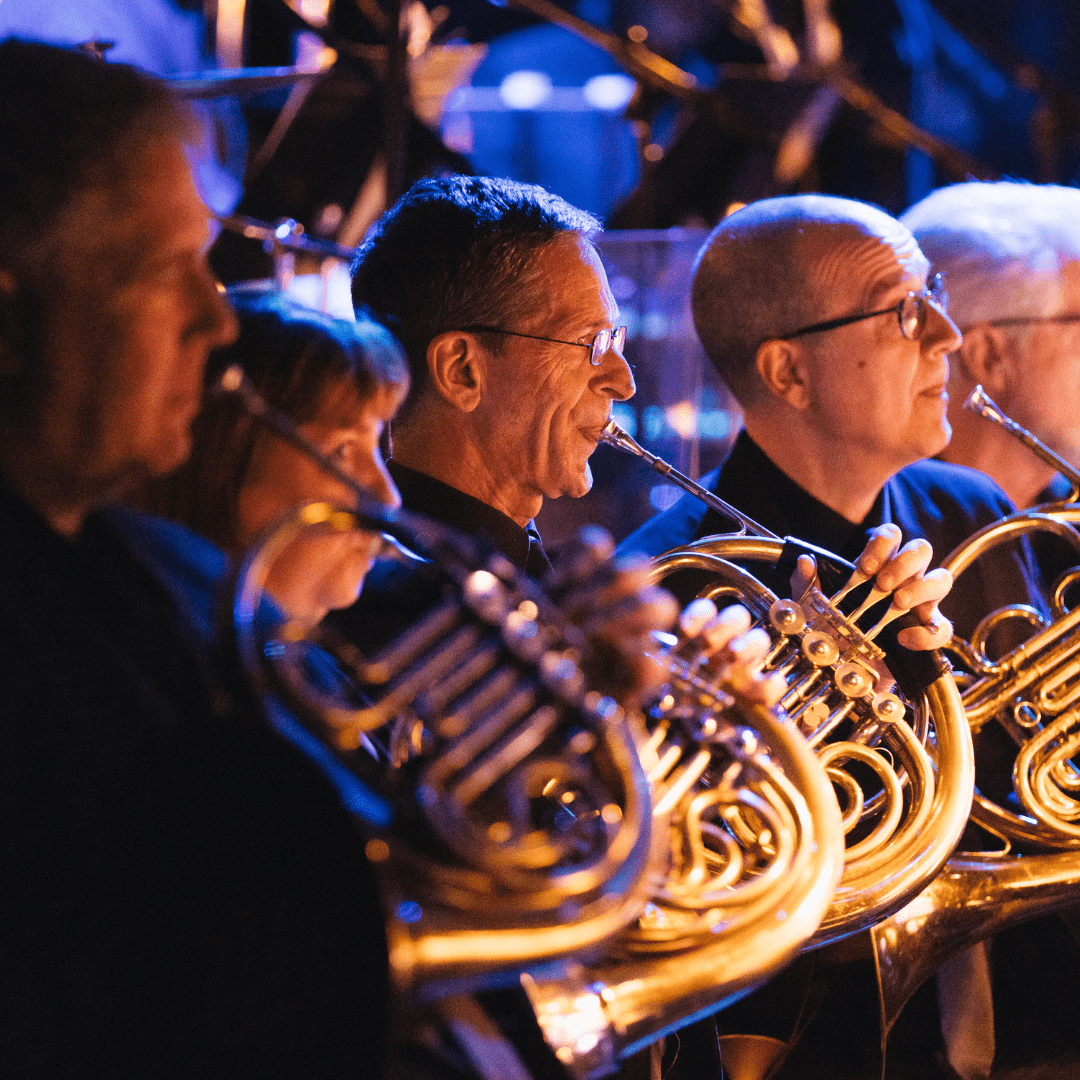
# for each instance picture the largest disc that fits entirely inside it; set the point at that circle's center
(664, 971)
(755, 852)
(1033, 692)
(512, 823)
(920, 752)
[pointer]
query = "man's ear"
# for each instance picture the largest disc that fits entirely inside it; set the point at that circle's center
(986, 357)
(10, 361)
(456, 369)
(784, 372)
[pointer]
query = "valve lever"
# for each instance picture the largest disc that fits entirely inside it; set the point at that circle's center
(857, 578)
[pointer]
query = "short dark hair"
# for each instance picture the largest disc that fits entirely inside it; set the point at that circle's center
(456, 251)
(293, 356)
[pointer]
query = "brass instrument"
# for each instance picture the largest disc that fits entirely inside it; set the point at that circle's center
(1034, 693)
(510, 816)
(1034, 690)
(512, 822)
(516, 820)
(663, 972)
(756, 850)
(901, 836)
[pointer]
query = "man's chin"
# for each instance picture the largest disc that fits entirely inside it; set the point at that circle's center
(581, 484)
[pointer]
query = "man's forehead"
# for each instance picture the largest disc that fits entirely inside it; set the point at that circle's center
(147, 209)
(575, 278)
(863, 259)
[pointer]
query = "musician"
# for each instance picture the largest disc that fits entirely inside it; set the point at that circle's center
(1012, 252)
(340, 382)
(828, 324)
(504, 310)
(184, 895)
(824, 318)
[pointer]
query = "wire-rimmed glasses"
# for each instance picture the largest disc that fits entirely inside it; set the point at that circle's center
(911, 311)
(598, 347)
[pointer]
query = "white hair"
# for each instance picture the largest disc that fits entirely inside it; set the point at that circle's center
(1003, 245)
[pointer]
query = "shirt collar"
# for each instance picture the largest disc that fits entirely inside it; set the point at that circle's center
(426, 495)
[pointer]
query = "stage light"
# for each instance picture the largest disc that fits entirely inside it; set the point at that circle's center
(525, 89)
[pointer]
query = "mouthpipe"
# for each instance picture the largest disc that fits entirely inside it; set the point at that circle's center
(614, 435)
(979, 401)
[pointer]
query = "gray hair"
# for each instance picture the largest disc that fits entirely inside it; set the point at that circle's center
(1002, 243)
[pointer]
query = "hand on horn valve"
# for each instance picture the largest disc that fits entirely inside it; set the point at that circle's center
(617, 607)
(902, 572)
(730, 652)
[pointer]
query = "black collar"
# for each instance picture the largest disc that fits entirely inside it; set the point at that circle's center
(444, 503)
(751, 482)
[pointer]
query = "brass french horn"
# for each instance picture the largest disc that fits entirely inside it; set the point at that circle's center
(664, 971)
(511, 819)
(755, 852)
(920, 752)
(1034, 693)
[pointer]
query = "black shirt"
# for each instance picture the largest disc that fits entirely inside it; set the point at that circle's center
(943, 503)
(396, 594)
(426, 495)
(183, 895)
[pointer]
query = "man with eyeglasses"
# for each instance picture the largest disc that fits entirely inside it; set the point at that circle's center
(1013, 256)
(503, 307)
(824, 318)
(500, 300)
(1012, 252)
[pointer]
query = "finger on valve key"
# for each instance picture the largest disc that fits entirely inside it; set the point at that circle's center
(617, 608)
(732, 650)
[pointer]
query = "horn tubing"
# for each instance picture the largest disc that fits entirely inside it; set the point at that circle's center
(643, 997)
(973, 898)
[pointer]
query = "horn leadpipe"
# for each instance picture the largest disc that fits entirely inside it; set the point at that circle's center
(614, 435)
(979, 401)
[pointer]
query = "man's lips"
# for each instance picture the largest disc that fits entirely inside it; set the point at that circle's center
(592, 433)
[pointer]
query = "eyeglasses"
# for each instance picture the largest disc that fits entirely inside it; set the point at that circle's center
(598, 347)
(911, 311)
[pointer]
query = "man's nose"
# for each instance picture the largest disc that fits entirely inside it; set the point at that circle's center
(941, 333)
(381, 484)
(617, 380)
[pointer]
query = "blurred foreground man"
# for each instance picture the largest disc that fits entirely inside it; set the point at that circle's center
(825, 320)
(184, 895)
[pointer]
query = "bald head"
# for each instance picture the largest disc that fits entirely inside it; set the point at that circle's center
(781, 264)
